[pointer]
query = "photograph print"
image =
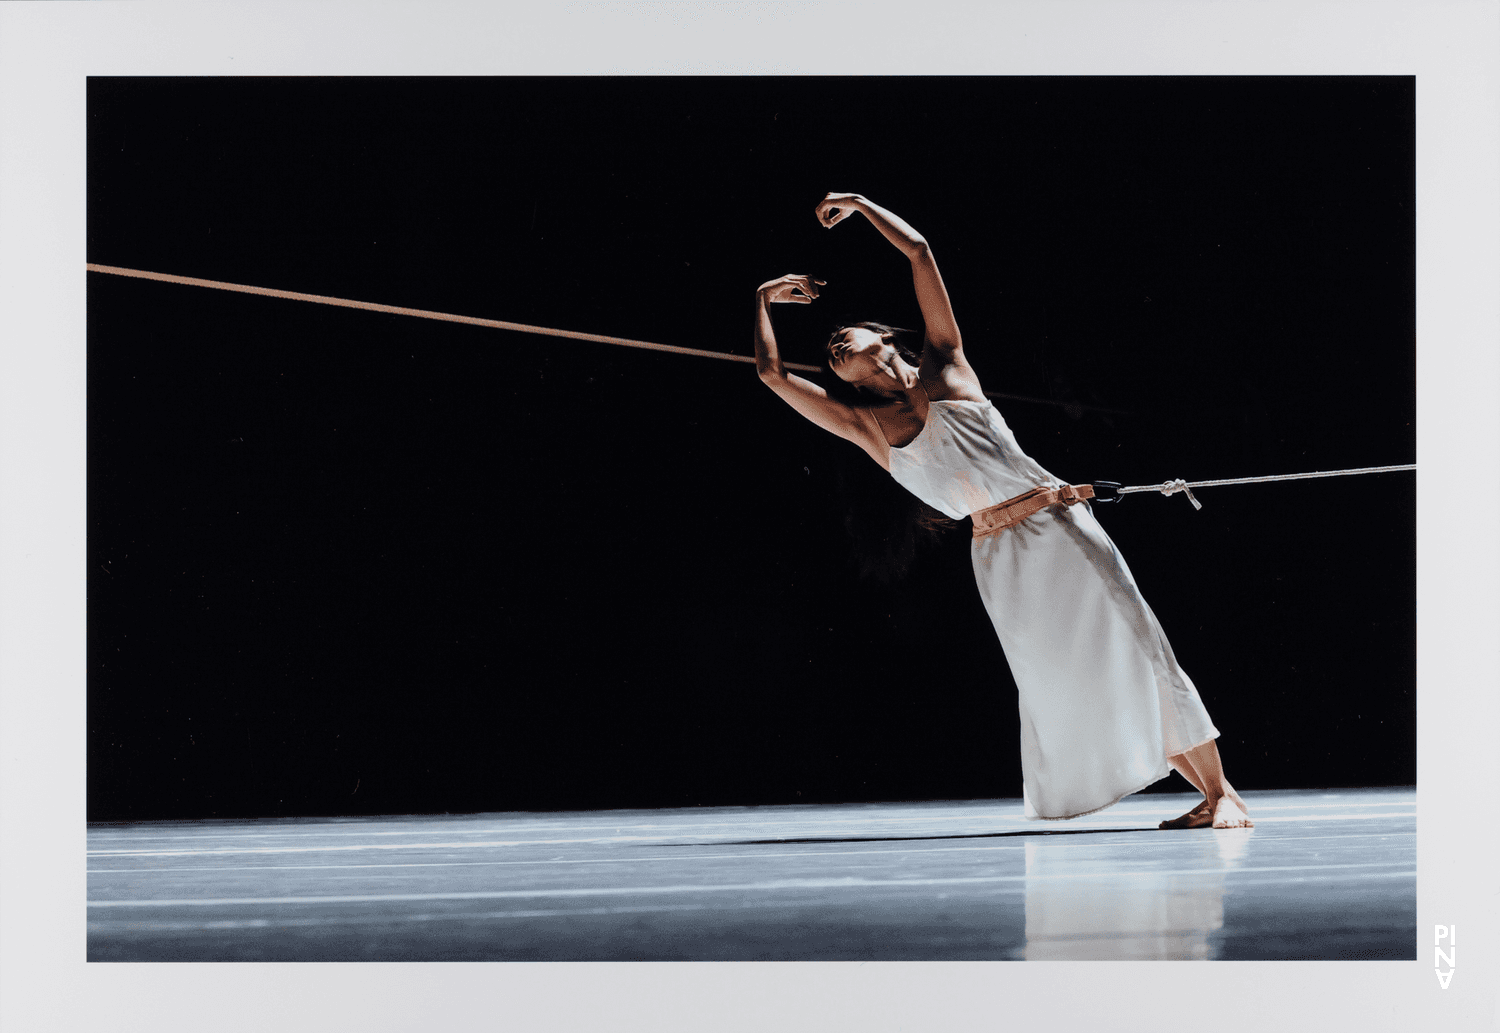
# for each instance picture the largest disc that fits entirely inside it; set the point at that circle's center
(631, 519)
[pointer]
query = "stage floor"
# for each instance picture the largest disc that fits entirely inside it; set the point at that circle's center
(1325, 874)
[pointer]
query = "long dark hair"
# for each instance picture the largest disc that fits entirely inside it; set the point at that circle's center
(886, 523)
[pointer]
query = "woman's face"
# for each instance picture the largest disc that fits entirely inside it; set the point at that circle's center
(858, 354)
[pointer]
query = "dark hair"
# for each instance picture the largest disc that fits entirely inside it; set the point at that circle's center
(886, 523)
(895, 336)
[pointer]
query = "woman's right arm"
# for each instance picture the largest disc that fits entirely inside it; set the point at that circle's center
(932, 296)
(850, 423)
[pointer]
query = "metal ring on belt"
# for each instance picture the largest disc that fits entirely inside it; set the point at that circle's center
(1012, 511)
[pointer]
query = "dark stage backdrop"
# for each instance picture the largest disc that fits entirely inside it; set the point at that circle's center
(349, 563)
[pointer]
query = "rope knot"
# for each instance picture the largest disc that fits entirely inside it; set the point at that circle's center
(1172, 487)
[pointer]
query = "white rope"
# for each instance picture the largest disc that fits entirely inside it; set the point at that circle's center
(395, 310)
(1172, 487)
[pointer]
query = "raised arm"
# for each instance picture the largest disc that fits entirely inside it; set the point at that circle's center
(932, 296)
(848, 422)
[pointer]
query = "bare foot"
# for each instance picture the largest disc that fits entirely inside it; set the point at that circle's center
(1197, 818)
(1228, 815)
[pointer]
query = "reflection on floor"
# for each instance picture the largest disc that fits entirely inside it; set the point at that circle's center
(1324, 874)
(1088, 902)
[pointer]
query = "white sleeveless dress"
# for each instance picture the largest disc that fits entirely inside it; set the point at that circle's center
(1103, 701)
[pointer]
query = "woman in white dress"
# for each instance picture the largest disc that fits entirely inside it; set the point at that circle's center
(1105, 708)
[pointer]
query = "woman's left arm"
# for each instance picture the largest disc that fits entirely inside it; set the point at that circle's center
(932, 296)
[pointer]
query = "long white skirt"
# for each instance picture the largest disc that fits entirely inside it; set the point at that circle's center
(1103, 701)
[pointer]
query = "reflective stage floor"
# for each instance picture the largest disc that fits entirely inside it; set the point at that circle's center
(1325, 874)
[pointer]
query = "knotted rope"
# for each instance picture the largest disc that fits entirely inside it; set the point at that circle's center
(1172, 487)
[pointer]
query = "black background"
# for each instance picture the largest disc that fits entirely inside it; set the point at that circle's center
(351, 563)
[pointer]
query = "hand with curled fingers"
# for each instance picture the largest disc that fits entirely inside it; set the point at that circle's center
(836, 207)
(791, 288)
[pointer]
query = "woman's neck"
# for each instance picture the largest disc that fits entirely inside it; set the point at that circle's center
(905, 395)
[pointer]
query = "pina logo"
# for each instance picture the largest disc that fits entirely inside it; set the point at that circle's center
(1443, 957)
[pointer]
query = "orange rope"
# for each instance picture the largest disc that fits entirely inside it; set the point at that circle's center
(396, 310)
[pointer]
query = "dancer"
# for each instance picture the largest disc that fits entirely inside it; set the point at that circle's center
(1105, 708)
